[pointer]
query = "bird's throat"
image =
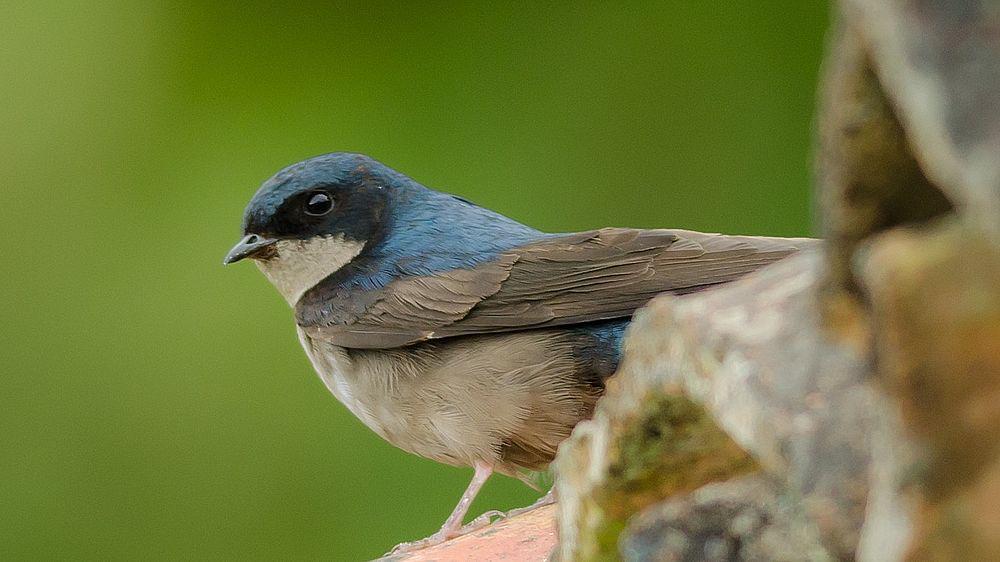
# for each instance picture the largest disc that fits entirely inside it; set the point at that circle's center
(300, 264)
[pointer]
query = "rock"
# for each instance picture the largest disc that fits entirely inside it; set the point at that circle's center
(869, 179)
(751, 363)
(642, 446)
(935, 304)
(937, 61)
(910, 114)
(842, 404)
(743, 519)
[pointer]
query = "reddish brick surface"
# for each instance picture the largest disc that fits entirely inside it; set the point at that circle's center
(528, 537)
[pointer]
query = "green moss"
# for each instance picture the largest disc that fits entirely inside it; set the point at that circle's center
(671, 446)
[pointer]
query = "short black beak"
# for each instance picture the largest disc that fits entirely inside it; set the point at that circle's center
(250, 245)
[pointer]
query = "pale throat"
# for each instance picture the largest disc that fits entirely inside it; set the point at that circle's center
(300, 264)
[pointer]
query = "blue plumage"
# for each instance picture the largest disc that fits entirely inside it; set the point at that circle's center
(452, 331)
(419, 231)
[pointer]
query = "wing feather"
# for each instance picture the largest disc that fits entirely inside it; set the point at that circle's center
(584, 277)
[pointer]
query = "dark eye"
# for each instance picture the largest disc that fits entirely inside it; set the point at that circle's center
(319, 204)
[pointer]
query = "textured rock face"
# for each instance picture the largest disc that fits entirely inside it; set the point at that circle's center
(743, 519)
(763, 390)
(843, 404)
(878, 446)
(937, 61)
(642, 445)
(935, 299)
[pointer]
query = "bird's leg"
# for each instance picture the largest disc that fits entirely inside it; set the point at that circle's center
(453, 525)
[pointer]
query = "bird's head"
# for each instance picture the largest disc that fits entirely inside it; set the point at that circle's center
(312, 218)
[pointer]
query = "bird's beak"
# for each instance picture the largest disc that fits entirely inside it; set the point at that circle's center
(250, 245)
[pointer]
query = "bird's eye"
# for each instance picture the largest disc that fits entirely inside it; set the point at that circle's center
(319, 204)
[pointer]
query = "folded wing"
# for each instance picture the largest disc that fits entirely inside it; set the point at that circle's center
(597, 275)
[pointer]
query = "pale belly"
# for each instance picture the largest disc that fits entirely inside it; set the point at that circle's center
(507, 400)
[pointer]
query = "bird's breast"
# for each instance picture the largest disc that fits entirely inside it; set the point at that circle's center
(333, 365)
(506, 399)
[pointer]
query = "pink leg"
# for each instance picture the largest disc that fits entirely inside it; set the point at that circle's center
(454, 522)
(453, 525)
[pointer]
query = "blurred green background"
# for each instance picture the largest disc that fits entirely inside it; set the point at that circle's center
(157, 405)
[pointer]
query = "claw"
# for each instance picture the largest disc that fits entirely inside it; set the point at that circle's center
(453, 527)
(548, 498)
(482, 521)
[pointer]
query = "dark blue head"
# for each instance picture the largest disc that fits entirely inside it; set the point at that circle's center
(333, 194)
(312, 218)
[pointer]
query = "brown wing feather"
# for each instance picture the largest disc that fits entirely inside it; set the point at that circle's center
(584, 277)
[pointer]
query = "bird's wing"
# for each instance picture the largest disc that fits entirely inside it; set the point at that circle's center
(597, 275)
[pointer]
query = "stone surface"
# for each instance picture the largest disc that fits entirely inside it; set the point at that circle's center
(644, 444)
(868, 178)
(849, 402)
(935, 301)
(911, 113)
(743, 519)
(527, 537)
(937, 60)
(755, 356)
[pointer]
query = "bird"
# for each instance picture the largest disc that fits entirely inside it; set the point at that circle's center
(454, 332)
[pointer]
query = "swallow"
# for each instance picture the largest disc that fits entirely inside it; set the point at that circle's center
(456, 333)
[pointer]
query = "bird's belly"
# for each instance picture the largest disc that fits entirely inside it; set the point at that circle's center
(503, 399)
(385, 396)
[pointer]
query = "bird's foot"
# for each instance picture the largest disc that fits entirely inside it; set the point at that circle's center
(482, 521)
(451, 530)
(548, 498)
(446, 534)
(492, 516)
(413, 546)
